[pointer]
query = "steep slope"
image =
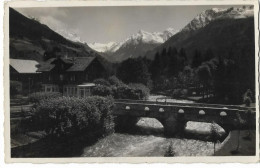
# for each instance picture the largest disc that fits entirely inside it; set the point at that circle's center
(204, 18)
(134, 46)
(222, 34)
(30, 39)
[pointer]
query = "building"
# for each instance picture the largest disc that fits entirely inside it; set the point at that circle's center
(70, 76)
(25, 72)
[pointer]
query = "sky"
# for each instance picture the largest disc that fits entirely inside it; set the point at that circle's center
(106, 24)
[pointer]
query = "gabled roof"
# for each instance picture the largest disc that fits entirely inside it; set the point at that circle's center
(78, 64)
(81, 63)
(24, 66)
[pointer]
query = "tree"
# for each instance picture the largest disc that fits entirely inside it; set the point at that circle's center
(208, 55)
(51, 54)
(197, 59)
(215, 135)
(134, 70)
(204, 76)
(156, 66)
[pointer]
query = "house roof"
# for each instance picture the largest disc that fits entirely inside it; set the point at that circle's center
(24, 66)
(78, 64)
(81, 63)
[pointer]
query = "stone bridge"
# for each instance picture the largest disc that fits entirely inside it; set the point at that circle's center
(174, 116)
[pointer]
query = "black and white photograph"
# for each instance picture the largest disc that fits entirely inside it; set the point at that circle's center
(158, 81)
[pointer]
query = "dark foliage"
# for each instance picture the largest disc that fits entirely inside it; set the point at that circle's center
(134, 71)
(40, 96)
(120, 90)
(69, 116)
(15, 87)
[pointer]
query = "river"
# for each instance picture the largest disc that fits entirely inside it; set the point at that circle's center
(147, 139)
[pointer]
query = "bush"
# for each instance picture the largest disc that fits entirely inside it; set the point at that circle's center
(101, 81)
(140, 88)
(39, 96)
(120, 90)
(247, 101)
(15, 87)
(102, 90)
(178, 93)
(70, 116)
(113, 80)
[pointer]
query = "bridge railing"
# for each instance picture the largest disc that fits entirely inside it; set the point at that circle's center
(191, 113)
(186, 104)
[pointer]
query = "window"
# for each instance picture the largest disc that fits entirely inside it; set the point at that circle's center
(86, 77)
(48, 89)
(75, 91)
(87, 92)
(82, 93)
(72, 77)
(61, 77)
(49, 77)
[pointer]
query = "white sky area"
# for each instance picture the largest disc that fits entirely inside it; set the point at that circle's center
(106, 24)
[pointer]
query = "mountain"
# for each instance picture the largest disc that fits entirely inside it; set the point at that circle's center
(209, 15)
(29, 39)
(218, 29)
(134, 46)
(107, 47)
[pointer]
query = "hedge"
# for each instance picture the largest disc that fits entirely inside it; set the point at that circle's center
(39, 96)
(101, 81)
(70, 116)
(131, 91)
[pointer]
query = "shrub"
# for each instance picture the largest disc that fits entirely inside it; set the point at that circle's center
(140, 89)
(247, 101)
(15, 87)
(39, 96)
(113, 80)
(178, 93)
(101, 81)
(70, 116)
(248, 97)
(102, 90)
(184, 93)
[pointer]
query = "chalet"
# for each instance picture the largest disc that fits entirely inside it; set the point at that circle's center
(24, 71)
(70, 76)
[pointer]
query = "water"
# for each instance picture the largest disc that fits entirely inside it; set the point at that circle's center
(147, 139)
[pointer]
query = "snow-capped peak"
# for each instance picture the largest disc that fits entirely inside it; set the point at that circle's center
(140, 37)
(103, 47)
(209, 15)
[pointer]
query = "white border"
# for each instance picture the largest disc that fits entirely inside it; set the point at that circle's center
(204, 159)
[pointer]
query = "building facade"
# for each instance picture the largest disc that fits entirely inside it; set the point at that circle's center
(70, 76)
(24, 72)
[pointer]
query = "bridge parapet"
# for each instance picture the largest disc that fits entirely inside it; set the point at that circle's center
(168, 114)
(186, 104)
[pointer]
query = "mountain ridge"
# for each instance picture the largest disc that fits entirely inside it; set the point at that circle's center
(135, 45)
(187, 38)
